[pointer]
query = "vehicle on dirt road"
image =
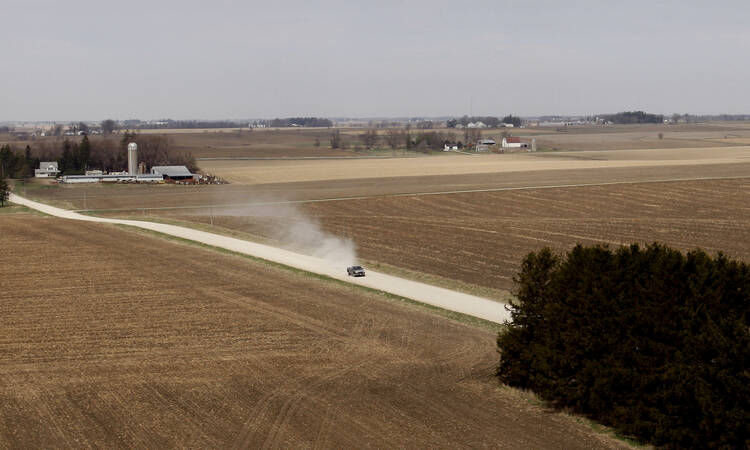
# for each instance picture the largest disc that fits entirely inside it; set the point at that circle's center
(355, 271)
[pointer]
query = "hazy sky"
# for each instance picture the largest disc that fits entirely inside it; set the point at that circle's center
(90, 60)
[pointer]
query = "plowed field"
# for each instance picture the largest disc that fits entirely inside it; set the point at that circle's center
(481, 237)
(260, 172)
(112, 338)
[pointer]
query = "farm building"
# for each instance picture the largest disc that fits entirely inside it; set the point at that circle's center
(513, 142)
(485, 145)
(173, 172)
(46, 169)
(112, 178)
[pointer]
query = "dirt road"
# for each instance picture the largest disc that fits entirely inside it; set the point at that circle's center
(443, 298)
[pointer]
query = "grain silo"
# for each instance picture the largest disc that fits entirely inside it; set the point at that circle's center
(132, 158)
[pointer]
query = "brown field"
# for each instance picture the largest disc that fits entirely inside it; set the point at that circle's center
(258, 143)
(114, 338)
(263, 172)
(471, 237)
(480, 238)
(626, 137)
(142, 198)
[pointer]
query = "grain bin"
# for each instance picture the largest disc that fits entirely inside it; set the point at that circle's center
(132, 158)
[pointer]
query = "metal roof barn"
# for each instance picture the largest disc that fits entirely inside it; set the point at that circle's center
(173, 172)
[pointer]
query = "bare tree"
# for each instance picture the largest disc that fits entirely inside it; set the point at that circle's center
(472, 135)
(369, 138)
(394, 138)
(108, 126)
(336, 139)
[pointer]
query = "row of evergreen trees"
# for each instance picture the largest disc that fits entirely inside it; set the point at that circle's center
(631, 117)
(301, 122)
(16, 164)
(650, 341)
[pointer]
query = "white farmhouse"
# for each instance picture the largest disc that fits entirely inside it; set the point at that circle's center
(46, 169)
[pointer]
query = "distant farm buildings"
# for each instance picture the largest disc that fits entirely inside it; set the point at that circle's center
(158, 175)
(135, 174)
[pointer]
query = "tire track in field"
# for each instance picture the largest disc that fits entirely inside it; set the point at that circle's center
(263, 408)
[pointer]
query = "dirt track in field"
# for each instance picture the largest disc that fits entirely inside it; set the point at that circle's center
(110, 338)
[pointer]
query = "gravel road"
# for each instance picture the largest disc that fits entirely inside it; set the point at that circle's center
(443, 298)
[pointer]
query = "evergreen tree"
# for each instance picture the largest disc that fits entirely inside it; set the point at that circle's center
(650, 341)
(4, 191)
(84, 152)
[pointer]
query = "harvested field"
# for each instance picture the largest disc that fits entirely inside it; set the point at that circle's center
(637, 136)
(112, 338)
(263, 172)
(480, 238)
(142, 198)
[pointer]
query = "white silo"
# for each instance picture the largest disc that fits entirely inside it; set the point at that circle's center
(132, 158)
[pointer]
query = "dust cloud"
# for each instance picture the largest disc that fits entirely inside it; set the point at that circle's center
(294, 229)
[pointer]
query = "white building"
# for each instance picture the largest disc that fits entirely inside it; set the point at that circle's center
(46, 169)
(112, 178)
(173, 172)
(512, 142)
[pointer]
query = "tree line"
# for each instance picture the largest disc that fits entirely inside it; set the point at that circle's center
(650, 341)
(317, 122)
(16, 164)
(630, 117)
(104, 153)
(187, 124)
(420, 139)
(490, 121)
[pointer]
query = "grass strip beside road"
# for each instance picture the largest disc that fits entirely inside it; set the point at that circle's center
(12, 208)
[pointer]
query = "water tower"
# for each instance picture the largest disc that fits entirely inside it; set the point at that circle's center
(132, 158)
